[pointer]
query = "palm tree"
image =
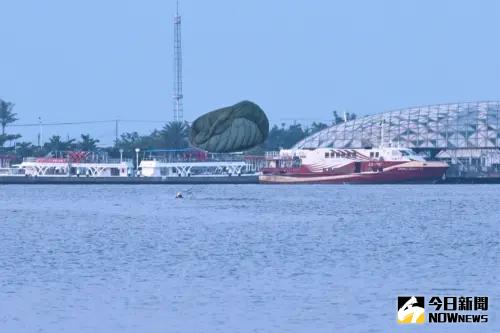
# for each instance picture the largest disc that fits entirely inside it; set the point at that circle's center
(175, 134)
(8, 137)
(316, 127)
(6, 114)
(275, 138)
(88, 143)
(55, 144)
(293, 134)
(25, 149)
(339, 120)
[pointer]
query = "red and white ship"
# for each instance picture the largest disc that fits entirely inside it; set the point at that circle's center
(350, 166)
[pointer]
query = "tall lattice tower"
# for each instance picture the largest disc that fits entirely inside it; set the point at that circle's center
(178, 108)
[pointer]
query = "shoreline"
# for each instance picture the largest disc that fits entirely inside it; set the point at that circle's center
(216, 180)
(19, 180)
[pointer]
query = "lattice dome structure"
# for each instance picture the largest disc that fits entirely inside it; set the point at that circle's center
(444, 126)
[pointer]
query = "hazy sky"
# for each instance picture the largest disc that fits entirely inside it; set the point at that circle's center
(97, 60)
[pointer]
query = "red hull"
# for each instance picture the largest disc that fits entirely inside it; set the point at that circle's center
(402, 173)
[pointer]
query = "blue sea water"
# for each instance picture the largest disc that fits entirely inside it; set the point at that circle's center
(242, 258)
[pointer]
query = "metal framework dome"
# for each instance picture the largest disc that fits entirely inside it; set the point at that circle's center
(459, 125)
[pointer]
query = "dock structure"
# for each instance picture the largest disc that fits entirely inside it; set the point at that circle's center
(160, 166)
(72, 180)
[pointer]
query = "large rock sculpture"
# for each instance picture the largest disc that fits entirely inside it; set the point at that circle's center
(233, 128)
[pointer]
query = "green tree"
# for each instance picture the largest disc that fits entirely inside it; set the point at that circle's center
(7, 117)
(339, 120)
(274, 140)
(55, 144)
(87, 143)
(8, 137)
(129, 141)
(294, 134)
(6, 114)
(25, 149)
(316, 127)
(175, 135)
(153, 140)
(284, 137)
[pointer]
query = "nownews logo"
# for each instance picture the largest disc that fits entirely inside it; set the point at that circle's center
(411, 310)
(442, 309)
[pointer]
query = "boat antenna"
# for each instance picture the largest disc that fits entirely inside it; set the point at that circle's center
(382, 133)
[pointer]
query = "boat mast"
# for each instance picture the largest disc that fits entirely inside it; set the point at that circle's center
(382, 133)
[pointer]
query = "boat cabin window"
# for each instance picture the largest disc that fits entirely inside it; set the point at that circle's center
(376, 154)
(327, 154)
(115, 172)
(372, 154)
(296, 162)
(407, 152)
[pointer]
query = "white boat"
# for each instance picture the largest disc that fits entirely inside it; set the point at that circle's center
(193, 163)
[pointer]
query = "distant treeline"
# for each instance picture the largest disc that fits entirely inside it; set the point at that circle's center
(173, 135)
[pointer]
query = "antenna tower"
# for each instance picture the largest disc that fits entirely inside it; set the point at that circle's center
(178, 107)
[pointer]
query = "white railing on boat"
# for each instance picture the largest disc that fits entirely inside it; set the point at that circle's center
(65, 160)
(11, 172)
